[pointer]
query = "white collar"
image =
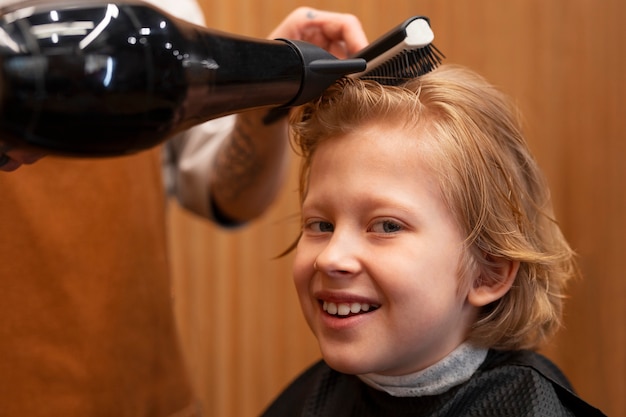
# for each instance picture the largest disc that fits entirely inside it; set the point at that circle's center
(452, 370)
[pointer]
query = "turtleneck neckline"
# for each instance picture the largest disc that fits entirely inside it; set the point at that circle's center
(450, 371)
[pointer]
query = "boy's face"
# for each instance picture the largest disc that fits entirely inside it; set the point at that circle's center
(376, 233)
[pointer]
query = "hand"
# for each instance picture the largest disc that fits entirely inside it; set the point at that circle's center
(341, 34)
(13, 157)
(242, 191)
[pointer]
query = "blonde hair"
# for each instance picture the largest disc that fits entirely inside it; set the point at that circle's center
(487, 177)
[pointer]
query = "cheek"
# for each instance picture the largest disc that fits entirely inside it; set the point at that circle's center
(303, 273)
(416, 279)
(302, 270)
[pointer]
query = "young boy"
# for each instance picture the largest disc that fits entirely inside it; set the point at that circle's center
(430, 266)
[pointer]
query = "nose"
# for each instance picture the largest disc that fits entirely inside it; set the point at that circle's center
(341, 255)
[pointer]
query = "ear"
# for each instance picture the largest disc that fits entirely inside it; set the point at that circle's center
(493, 282)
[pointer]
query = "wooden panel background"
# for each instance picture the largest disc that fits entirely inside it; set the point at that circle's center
(564, 62)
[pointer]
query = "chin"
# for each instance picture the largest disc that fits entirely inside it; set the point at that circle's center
(347, 364)
(346, 368)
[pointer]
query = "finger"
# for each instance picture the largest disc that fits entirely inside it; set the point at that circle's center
(12, 158)
(26, 156)
(339, 29)
(7, 164)
(4, 159)
(339, 33)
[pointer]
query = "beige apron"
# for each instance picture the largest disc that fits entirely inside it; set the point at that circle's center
(86, 313)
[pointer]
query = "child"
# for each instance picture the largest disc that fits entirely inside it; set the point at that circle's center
(429, 265)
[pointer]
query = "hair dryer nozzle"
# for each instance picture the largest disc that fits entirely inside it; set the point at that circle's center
(321, 70)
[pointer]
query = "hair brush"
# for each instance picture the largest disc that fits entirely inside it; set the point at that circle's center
(404, 52)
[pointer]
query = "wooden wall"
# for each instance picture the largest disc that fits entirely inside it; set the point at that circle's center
(565, 63)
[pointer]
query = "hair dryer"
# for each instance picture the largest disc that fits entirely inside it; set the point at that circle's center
(96, 78)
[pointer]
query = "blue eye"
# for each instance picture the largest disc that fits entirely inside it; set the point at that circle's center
(326, 227)
(321, 227)
(386, 226)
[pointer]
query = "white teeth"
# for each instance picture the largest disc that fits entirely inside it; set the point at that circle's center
(343, 309)
(330, 308)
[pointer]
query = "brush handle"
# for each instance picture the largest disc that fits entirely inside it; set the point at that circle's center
(388, 41)
(403, 52)
(91, 78)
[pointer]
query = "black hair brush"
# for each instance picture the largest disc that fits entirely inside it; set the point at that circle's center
(403, 53)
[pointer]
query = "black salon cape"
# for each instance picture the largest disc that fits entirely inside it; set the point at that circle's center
(516, 383)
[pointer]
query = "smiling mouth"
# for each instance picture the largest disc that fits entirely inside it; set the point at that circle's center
(347, 309)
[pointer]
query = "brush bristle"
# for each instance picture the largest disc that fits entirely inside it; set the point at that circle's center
(408, 64)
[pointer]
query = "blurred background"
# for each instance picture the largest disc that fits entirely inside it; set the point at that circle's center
(564, 63)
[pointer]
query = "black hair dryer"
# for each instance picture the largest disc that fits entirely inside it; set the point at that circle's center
(91, 78)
